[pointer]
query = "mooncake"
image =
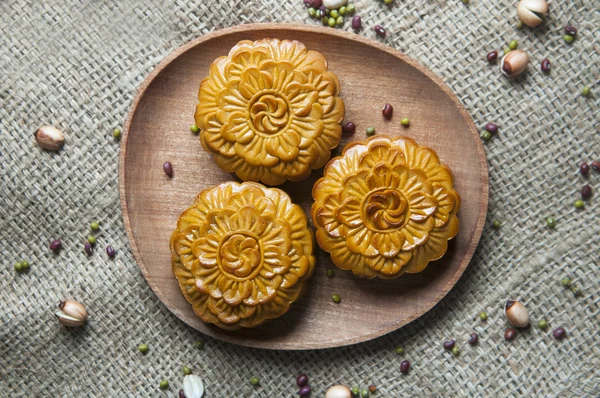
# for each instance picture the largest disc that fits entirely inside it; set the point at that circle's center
(242, 254)
(386, 206)
(270, 111)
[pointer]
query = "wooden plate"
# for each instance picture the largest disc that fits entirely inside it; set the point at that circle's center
(370, 74)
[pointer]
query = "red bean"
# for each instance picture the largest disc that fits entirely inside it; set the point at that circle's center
(110, 251)
(356, 22)
(473, 339)
(559, 333)
(349, 128)
(448, 345)
(571, 30)
(379, 30)
(586, 191)
(404, 367)
(546, 65)
(510, 334)
(302, 380)
(168, 168)
(387, 111)
(584, 169)
(491, 127)
(492, 56)
(56, 245)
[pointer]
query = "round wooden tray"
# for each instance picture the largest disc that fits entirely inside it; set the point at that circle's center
(370, 74)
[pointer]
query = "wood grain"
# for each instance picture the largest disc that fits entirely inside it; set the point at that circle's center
(371, 74)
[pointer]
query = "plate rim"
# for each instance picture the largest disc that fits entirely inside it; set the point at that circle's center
(477, 233)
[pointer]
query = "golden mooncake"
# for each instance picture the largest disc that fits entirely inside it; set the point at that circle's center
(270, 111)
(386, 206)
(242, 254)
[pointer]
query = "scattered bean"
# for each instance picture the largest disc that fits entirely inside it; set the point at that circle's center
(372, 388)
(379, 30)
(510, 334)
(455, 351)
(543, 324)
(491, 127)
(559, 333)
(91, 239)
(304, 391)
(596, 165)
(492, 56)
(405, 122)
(496, 224)
(195, 129)
(483, 316)
(546, 65)
(168, 168)
(356, 22)
(255, 381)
(88, 248)
(566, 282)
(164, 384)
(387, 111)
(186, 371)
(568, 38)
(579, 204)
(586, 91)
(110, 251)
(449, 344)
(405, 367)
(349, 128)
(571, 30)
(143, 348)
(302, 380)
(473, 339)
(330, 273)
(336, 298)
(586, 191)
(400, 350)
(370, 130)
(551, 222)
(116, 134)
(584, 169)
(55, 245)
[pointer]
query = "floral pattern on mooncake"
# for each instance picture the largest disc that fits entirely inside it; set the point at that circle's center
(385, 207)
(242, 254)
(270, 111)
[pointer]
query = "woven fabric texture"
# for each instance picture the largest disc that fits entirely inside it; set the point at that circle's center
(78, 64)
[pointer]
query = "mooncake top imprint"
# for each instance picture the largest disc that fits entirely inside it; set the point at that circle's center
(242, 254)
(385, 207)
(270, 111)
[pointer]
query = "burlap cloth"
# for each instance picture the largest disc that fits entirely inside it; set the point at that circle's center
(78, 65)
